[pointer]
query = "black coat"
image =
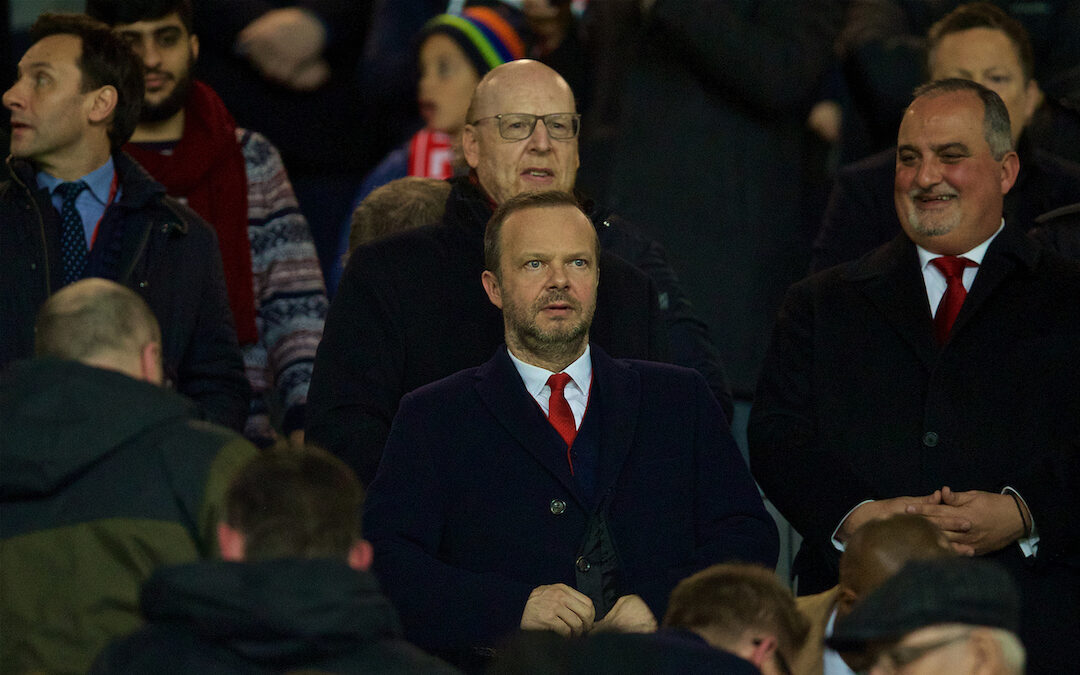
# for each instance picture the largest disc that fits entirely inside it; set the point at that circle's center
(265, 617)
(862, 215)
(857, 401)
(475, 504)
(162, 250)
(710, 153)
(411, 310)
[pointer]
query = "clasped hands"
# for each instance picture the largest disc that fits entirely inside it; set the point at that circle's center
(567, 611)
(974, 522)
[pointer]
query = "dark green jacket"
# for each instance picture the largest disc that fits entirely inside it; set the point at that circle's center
(103, 479)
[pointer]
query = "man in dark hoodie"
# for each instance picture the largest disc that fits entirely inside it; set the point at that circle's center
(292, 592)
(104, 476)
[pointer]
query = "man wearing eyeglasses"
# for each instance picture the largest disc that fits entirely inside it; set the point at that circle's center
(955, 616)
(410, 309)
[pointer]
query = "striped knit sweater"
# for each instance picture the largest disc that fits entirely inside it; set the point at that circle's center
(289, 293)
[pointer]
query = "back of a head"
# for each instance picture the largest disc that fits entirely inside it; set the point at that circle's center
(968, 592)
(879, 549)
(106, 60)
(93, 319)
(295, 502)
(399, 205)
(730, 599)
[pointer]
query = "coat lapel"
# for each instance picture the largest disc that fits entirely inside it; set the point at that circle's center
(617, 389)
(1010, 249)
(500, 388)
(889, 277)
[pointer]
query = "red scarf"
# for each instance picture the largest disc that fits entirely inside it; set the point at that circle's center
(431, 155)
(206, 167)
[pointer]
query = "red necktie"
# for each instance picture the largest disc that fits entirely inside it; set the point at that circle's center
(953, 268)
(559, 414)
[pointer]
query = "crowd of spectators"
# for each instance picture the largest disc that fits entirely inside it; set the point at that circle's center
(528, 336)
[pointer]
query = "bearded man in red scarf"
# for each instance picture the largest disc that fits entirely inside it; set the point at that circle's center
(234, 178)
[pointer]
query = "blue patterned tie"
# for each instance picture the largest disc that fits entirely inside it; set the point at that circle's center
(73, 249)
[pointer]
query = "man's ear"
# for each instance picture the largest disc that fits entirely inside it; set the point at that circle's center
(102, 104)
(845, 601)
(230, 543)
(491, 285)
(470, 146)
(764, 648)
(150, 363)
(361, 555)
(986, 652)
(193, 43)
(1010, 169)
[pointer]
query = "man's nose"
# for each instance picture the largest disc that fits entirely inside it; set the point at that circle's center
(11, 97)
(540, 140)
(557, 277)
(929, 173)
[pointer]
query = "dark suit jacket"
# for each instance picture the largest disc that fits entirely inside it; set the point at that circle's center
(862, 216)
(474, 504)
(856, 401)
(411, 310)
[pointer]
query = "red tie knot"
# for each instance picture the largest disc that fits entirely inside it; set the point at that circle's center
(558, 382)
(952, 266)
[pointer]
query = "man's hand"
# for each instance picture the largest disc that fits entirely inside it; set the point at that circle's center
(286, 46)
(881, 509)
(629, 615)
(975, 522)
(560, 608)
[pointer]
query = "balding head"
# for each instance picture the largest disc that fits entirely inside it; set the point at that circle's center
(506, 167)
(880, 548)
(102, 324)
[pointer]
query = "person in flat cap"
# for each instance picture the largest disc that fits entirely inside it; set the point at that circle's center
(953, 615)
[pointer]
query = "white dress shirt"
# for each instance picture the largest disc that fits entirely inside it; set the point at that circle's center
(577, 389)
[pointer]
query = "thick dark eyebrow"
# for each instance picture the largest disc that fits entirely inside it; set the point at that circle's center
(906, 148)
(165, 31)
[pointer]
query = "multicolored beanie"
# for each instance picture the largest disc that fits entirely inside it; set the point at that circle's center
(485, 36)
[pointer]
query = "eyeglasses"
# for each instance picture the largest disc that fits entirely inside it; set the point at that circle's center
(898, 656)
(519, 126)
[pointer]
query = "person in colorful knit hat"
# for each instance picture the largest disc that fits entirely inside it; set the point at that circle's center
(454, 52)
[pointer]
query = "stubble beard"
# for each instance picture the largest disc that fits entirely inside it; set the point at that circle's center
(937, 225)
(171, 104)
(567, 339)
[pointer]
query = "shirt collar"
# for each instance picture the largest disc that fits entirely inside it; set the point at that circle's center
(535, 377)
(99, 181)
(975, 255)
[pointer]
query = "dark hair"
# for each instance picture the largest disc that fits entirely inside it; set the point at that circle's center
(114, 12)
(291, 502)
(92, 316)
(401, 204)
(733, 597)
(985, 15)
(106, 60)
(525, 200)
(996, 128)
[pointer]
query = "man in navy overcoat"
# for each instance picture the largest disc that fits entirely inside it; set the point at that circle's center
(485, 518)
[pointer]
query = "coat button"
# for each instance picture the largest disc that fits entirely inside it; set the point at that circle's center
(929, 439)
(582, 564)
(558, 506)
